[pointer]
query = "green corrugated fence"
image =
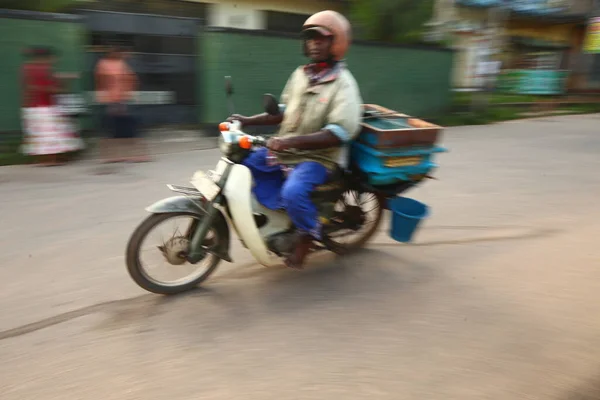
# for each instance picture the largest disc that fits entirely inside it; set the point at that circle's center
(412, 80)
(61, 32)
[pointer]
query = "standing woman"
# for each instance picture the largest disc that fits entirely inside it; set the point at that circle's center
(48, 135)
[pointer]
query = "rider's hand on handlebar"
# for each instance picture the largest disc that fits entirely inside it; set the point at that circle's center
(277, 144)
(237, 117)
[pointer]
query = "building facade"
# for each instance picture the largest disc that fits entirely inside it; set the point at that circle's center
(524, 35)
(163, 39)
(181, 65)
(589, 63)
(264, 14)
(278, 15)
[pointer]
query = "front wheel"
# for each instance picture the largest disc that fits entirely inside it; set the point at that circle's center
(357, 216)
(171, 248)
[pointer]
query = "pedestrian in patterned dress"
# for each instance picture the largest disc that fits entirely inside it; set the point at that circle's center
(48, 134)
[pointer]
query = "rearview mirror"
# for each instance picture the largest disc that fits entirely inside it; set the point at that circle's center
(228, 86)
(271, 105)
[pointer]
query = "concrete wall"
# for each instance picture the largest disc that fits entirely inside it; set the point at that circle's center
(292, 6)
(249, 14)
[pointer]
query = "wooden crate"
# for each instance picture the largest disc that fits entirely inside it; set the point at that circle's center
(383, 128)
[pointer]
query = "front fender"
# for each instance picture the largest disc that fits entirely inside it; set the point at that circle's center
(182, 204)
(175, 204)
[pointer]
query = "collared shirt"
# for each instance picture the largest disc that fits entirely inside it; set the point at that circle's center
(329, 101)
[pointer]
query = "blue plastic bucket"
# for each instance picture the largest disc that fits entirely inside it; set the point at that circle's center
(407, 214)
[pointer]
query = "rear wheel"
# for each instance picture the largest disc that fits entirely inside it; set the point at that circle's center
(357, 216)
(170, 248)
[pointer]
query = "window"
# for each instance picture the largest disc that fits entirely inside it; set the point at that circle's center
(111, 38)
(178, 45)
(549, 60)
(150, 44)
(164, 44)
(182, 86)
(285, 22)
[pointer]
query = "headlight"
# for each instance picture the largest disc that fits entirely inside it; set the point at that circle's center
(224, 146)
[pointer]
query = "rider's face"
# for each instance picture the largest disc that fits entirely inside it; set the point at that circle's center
(318, 46)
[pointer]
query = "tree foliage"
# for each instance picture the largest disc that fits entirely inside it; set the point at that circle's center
(400, 21)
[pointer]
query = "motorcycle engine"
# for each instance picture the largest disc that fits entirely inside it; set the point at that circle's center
(282, 244)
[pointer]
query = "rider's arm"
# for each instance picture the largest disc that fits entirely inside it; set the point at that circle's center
(263, 119)
(346, 110)
(314, 141)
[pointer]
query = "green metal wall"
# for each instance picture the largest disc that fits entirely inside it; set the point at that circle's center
(411, 80)
(15, 35)
(415, 81)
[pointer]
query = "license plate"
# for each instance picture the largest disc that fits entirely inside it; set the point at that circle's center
(402, 161)
(205, 185)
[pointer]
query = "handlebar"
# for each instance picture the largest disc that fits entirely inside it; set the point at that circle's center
(232, 133)
(246, 141)
(259, 141)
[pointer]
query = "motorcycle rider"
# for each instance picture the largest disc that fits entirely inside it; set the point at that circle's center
(321, 112)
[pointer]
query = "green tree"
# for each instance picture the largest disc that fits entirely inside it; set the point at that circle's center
(399, 21)
(36, 5)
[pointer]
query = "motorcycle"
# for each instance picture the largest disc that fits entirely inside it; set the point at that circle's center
(222, 200)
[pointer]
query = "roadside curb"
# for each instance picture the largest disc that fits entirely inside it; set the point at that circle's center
(165, 143)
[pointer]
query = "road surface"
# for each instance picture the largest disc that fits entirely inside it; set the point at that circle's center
(498, 298)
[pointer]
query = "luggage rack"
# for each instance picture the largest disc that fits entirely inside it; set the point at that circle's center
(376, 111)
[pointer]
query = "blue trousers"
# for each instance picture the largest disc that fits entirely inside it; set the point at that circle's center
(274, 191)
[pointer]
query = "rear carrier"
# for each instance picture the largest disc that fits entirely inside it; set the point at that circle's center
(393, 148)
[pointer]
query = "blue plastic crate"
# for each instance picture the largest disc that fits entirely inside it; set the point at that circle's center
(372, 163)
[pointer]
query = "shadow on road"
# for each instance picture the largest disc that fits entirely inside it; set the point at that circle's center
(275, 296)
(589, 391)
(274, 292)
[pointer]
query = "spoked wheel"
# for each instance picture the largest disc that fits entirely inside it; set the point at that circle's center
(356, 219)
(169, 248)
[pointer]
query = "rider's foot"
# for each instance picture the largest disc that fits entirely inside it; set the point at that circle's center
(301, 250)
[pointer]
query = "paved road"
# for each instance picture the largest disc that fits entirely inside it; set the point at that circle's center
(498, 298)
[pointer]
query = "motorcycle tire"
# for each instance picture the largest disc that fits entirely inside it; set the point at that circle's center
(136, 270)
(363, 239)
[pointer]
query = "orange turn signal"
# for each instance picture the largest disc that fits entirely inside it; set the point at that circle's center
(224, 126)
(245, 143)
